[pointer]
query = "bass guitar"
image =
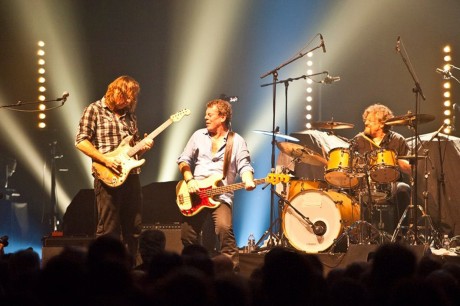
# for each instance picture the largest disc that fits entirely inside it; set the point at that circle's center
(192, 203)
(126, 153)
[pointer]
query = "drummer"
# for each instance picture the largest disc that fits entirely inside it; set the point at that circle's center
(378, 136)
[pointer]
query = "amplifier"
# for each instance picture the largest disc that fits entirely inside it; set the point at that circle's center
(172, 233)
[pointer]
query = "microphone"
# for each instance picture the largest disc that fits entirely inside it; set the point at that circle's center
(398, 44)
(319, 228)
(330, 79)
(445, 73)
(64, 97)
(322, 43)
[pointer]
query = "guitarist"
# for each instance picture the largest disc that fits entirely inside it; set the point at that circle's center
(202, 157)
(102, 127)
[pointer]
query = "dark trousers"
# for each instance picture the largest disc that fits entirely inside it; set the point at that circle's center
(191, 229)
(119, 211)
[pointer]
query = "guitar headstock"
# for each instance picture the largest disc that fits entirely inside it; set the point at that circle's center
(179, 115)
(275, 178)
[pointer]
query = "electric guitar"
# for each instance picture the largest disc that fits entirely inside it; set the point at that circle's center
(126, 153)
(192, 203)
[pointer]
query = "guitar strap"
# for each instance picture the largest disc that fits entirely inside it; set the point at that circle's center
(228, 152)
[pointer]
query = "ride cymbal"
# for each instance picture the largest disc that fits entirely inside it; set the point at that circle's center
(410, 119)
(332, 125)
(277, 134)
(302, 153)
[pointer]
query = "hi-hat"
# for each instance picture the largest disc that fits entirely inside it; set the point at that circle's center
(302, 153)
(410, 119)
(332, 125)
(277, 134)
(411, 157)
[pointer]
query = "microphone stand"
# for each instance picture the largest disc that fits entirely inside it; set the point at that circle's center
(274, 73)
(62, 99)
(411, 234)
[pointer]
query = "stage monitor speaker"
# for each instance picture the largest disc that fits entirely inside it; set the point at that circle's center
(53, 246)
(172, 233)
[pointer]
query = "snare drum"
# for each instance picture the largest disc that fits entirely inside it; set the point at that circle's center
(383, 167)
(334, 209)
(339, 169)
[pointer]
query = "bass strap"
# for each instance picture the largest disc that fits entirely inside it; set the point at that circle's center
(228, 153)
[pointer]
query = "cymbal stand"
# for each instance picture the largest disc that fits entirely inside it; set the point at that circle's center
(431, 235)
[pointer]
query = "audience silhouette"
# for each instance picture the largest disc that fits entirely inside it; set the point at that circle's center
(105, 274)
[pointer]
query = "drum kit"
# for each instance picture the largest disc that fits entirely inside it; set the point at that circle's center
(317, 214)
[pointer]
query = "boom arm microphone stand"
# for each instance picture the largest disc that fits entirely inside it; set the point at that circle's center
(411, 234)
(274, 74)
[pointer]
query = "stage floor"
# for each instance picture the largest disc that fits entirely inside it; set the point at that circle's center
(355, 253)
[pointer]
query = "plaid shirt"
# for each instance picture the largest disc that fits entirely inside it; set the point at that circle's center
(104, 129)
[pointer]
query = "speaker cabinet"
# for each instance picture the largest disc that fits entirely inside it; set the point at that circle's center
(172, 233)
(53, 246)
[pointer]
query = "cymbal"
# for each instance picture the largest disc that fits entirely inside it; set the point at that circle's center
(410, 119)
(277, 134)
(332, 125)
(304, 154)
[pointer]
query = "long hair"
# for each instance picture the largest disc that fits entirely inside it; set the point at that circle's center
(128, 86)
(224, 108)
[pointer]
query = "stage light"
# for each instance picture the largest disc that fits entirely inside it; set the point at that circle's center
(41, 116)
(447, 112)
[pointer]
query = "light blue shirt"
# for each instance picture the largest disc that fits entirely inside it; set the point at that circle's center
(198, 155)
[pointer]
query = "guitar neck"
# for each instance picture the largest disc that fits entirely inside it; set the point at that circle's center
(140, 144)
(228, 188)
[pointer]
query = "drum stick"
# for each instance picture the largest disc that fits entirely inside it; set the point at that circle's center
(368, 139)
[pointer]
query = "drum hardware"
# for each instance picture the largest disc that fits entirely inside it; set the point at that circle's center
(431, 235)
(361, 231)
(411, 120)
(301, 153)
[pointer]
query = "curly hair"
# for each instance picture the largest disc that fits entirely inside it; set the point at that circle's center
(224, 108)
(382, 112)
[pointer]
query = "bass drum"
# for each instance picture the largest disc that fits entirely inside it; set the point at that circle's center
(332, 208)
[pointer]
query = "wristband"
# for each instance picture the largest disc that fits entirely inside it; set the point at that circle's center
(186, 181)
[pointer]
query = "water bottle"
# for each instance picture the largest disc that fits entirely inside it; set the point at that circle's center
(445, 242)
(251, 243)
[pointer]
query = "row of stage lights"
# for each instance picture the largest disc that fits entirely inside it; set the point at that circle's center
(447, 94)
(309, 92)
(41, 85)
